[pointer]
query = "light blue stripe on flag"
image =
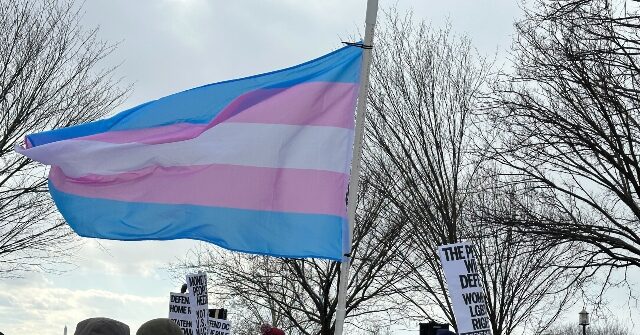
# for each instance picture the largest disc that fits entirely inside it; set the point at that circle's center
(292, 234)
(201, 104)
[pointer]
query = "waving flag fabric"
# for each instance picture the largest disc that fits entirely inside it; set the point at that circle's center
(259, 164)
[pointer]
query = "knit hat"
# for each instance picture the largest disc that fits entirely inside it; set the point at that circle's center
(159, 327)
(265, 328)
(101, 326)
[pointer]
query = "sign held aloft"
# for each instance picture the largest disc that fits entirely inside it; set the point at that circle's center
(219, 327)
(180, 311)
(197, 285)
(190, 310)
(465, 288)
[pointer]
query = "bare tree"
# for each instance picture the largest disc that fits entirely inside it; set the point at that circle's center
(607, 327)
(300, 295)
(425, 113)
(49, 78)
(528, 281)
(569, 121)
(423, 93)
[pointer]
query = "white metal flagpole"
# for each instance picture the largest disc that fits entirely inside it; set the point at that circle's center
(354, 186)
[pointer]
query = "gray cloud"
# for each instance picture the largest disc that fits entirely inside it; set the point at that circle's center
(45, 310)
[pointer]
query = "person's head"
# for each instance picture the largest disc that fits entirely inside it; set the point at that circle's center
(159, 327)
(101, 326)
(265, 328)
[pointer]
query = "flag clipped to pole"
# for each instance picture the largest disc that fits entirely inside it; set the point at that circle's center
(259, 164)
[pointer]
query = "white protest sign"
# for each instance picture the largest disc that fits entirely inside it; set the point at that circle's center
(180, 312)
(465, 288)
(219, 327)
(197, 285)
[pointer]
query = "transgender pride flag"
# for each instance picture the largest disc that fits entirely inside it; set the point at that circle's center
(259, 164)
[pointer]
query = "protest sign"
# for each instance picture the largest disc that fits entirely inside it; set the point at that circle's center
(465, 288)
(180, 312)
(217, 313)
(219, 327)
(197, 285)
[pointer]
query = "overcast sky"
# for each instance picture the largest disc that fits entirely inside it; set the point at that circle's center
(171, 45)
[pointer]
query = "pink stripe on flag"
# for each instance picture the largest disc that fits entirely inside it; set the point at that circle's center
(309, 104)
(157, 135)
(317, 104)
(268, 189)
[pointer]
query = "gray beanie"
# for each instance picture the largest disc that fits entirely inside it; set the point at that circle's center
(101, 326)
(159, 327)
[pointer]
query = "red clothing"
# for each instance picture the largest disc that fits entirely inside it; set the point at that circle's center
(275, 331)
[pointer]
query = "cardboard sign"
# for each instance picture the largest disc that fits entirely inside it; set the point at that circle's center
(180, 312)
(197, 286)
(465, 288)
(219, 327)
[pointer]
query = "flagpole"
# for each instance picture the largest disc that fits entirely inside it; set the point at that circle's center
(354, 186)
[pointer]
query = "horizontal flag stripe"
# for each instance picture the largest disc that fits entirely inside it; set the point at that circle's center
(269, 189)
(201, 105)
(158, 135)
(246, 144)
(315, 104)
(262, 232)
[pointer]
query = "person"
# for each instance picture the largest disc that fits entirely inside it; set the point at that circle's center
(160, 326)
(101, 326)
(267, 329)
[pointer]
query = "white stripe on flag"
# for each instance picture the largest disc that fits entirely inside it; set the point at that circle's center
(246, 144)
